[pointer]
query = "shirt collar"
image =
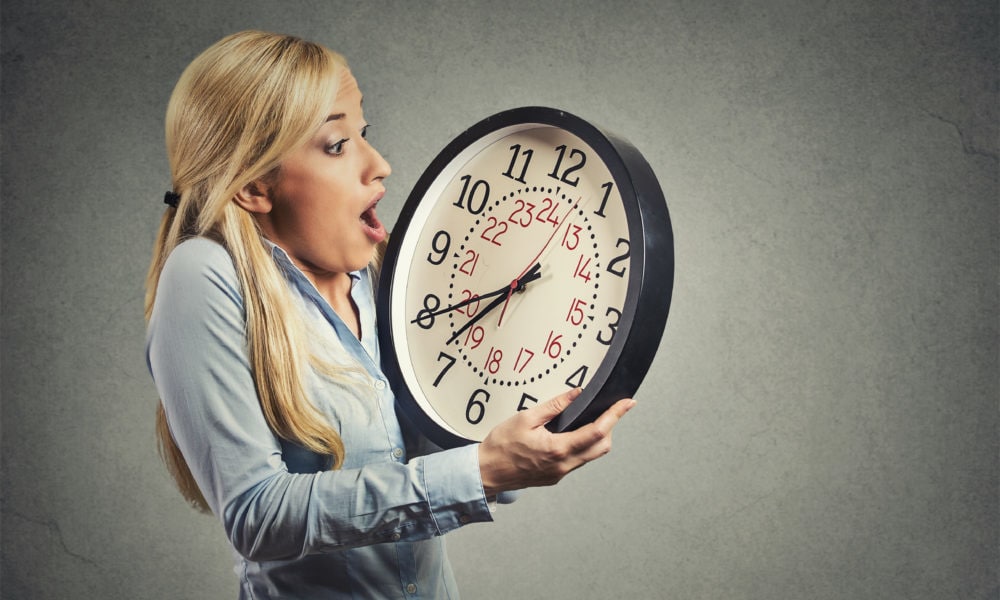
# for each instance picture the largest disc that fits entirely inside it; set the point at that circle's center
(292, 271)
(361, 294)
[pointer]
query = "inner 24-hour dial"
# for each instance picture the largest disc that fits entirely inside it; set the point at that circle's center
(554, 331)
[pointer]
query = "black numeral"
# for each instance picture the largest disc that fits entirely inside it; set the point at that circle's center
(425, 318)
(564, 175)
(476, 409)
(525, 398)
(621, 257)
(451, 361)
(604, 201)
(516, 151)
(576, 379)
(436, 247)
(612, 326)
(468, 197)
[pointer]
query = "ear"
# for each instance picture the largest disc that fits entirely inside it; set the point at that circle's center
(255, 197)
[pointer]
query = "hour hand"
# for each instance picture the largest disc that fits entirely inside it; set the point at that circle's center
(530, 275)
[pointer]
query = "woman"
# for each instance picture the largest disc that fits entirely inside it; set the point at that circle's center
(275, 414)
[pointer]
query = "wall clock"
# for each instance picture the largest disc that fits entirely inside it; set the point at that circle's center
(534, 255)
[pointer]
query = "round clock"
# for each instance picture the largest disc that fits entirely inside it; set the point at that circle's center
(534, 255)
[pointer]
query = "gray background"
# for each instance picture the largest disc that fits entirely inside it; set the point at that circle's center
(821, 418)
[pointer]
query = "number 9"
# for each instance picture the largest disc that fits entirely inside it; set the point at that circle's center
(436, 247)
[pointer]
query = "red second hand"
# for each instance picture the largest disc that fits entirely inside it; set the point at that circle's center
(548, 241)
(510, 292)
(513, 284)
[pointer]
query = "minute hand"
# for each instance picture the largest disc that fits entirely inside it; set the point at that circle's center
(518, 284)
(424, 315)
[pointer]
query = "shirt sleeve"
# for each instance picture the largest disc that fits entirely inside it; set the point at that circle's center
(196, 353)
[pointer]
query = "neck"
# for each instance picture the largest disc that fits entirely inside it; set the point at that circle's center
(336, 290)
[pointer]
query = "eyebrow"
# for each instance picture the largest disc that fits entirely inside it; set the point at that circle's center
(339, 116)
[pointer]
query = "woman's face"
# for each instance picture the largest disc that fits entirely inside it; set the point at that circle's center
(322, 201)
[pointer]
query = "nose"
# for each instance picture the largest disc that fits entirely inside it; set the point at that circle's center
(378, 167)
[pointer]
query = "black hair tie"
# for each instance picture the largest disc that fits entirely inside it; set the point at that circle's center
(171, 199)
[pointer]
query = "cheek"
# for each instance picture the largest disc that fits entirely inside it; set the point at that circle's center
(315, 206)
(302, 205)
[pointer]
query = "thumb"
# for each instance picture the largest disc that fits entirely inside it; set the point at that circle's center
(546, 411)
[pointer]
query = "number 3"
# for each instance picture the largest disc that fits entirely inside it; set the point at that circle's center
(612, 326)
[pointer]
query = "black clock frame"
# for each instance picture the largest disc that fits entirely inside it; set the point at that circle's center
(650, 286)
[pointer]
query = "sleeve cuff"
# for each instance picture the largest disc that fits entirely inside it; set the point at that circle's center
(455, 488)
(508, 497)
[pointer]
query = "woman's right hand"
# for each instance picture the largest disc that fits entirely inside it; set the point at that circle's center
(521, 452)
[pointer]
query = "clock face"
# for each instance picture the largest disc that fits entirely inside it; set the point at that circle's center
(512, 279)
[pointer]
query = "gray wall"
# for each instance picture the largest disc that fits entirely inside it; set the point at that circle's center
(821, 418)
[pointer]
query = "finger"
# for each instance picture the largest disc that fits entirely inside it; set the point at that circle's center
(546, 411)
(593, 434)
(610, 417)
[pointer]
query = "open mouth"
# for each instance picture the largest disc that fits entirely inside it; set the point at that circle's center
(373, 227)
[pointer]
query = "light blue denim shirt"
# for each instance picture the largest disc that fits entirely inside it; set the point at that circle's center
(299, 530)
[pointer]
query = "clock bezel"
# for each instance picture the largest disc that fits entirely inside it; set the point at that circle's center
(648, 292)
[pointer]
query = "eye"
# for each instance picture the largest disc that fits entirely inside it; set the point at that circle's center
(336, 148)
(364, 131)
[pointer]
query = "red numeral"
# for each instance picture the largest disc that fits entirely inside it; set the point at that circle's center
(528, 208)
(469, 266)
(499, 226)
(472, 308)
(476, 335)
(527, 355)
(575, 314)
(582, 269)
(548, 214)
(553, 348)
(571, 237)
(493, 358)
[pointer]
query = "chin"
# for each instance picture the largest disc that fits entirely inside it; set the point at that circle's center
(362, 260)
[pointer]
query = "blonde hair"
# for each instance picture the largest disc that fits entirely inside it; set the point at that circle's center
(236, 111)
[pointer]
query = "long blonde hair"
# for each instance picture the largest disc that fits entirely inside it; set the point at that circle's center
(236, 111)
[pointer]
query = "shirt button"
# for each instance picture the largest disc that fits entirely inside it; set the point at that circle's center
(411, 588)
(397, 452)
(379, 384)
(396, 536)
